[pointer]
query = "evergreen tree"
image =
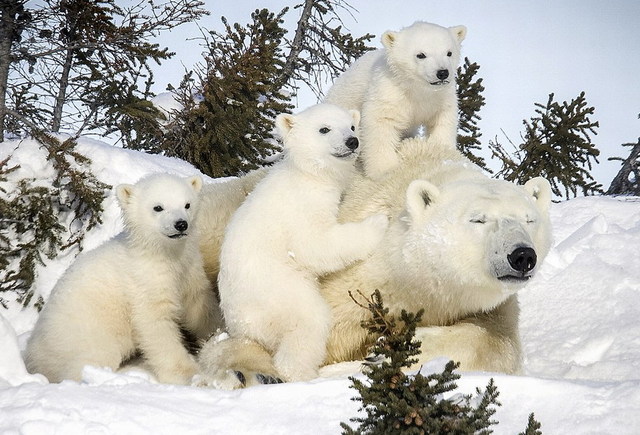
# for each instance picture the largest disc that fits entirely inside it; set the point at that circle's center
(72, 65)
(556, 145)
(627, 180)
(321, 47)
(40, 219)
(227, 129)
(397, 403)
(14, 19)
(533, 426)
(470, 101)
(83, 65)
(249, 76)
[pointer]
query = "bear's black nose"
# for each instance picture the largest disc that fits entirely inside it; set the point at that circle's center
(442, 74)
(181, 225)
(523, 259)
(352, 143)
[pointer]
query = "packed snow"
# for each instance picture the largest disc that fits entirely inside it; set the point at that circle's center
(580, 331)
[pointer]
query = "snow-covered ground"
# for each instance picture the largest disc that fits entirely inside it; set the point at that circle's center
(580, 329)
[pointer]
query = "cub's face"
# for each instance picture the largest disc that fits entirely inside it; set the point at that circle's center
(484, 234)
(323, 135)
(425, 52)
(160, 207)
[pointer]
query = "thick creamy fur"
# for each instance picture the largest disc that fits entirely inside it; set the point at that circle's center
(450, 231)
(439, 254)
(132, 293)
(286, 234)
(397, 90)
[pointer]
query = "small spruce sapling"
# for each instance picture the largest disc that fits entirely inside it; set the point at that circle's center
(533, 426)
(402, 404)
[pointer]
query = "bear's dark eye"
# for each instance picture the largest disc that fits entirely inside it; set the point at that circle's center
(478, 220)
(187, 206)
(421, 56)
(324, 130)
(158, 208)
(449, 54)
(353, 128)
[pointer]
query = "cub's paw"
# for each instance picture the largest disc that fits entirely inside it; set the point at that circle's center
(263, 379)
(234, 379)
(377, 226)
(379, 222)
(223, 380)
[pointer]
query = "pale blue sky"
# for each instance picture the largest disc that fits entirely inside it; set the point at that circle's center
(526, 50)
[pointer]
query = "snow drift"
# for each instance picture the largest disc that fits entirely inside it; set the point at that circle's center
(579, 324)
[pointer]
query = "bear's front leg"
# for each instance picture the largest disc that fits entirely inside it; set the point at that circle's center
(484, 342)
(381, 132)
(158, 337)
(342, 244)
(442, 127)
(200, 310)
(302, 347)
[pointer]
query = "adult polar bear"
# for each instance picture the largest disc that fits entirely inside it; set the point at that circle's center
(407, 84)
(459, 246)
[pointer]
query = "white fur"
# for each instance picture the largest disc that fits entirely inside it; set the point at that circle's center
(447, 251)
(451, 229)
(130, 293)
(397, 91)
(286, 234)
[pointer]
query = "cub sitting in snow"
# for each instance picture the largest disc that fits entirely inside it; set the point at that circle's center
(407, 84)
(286, 234)
(133, 292)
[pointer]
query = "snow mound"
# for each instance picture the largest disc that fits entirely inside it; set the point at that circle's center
(579, 324)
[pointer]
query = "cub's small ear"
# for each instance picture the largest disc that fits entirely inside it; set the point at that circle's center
(540, 189)
(355, 116)
(195, 182)
(420, 195)
(458, 32)
(388, 38)
(284, 124)
(124, 192)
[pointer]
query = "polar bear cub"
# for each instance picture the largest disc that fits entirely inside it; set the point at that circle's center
(407, 84)
(286, 234)
(132, 293)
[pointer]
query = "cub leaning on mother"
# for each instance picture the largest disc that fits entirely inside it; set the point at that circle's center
(460, 245)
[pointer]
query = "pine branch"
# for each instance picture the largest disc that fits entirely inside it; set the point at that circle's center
(291, 61)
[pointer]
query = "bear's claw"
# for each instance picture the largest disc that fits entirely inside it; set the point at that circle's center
(266, 379)
(241, 378)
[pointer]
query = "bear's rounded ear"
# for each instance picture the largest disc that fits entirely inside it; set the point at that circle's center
(420, 194)
(388, 38)
(540, 189)
(458, 32)
(124, 192)
(284, 124)
(355, 116)
(195, 182)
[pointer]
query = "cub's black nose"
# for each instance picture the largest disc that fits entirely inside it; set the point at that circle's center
(181, 225)
(352, 143)
(442, 74)
(522, 259)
